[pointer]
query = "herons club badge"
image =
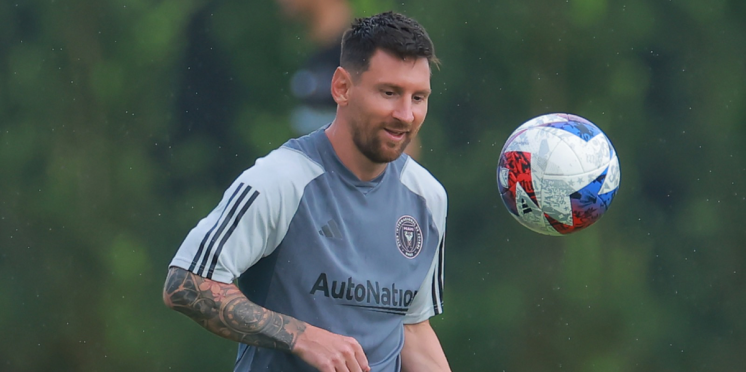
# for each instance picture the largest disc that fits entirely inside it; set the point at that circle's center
(408, 236)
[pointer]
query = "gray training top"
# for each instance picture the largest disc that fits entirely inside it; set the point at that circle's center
(305, 237)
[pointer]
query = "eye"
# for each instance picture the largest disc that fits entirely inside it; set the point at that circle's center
(388, 93)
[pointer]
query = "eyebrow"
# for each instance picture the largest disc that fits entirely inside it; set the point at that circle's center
(398, 89)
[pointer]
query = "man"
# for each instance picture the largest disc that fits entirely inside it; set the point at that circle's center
(335, 239)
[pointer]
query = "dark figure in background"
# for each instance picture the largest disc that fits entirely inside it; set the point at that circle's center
(325, 21)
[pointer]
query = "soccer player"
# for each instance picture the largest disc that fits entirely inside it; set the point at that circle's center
(335, 240)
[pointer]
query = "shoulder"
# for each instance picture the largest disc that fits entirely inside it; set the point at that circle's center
(420, 181)
(283, 169)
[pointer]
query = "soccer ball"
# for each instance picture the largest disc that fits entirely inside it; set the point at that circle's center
(558, 174)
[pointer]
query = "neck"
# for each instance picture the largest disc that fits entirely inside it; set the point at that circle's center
(341, 139)
(328, 21)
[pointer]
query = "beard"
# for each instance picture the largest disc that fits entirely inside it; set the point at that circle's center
(370, 145)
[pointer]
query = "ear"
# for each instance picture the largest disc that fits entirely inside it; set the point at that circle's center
(341, 86)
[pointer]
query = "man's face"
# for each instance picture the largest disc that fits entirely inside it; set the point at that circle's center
(388, 104)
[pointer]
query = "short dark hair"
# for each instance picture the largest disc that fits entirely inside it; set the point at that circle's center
(392, 32)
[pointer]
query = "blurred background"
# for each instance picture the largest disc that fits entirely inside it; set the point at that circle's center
(123, 121)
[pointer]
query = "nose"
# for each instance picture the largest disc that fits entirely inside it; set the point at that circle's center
(403, 111)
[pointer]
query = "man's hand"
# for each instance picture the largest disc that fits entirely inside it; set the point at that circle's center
(330, 352)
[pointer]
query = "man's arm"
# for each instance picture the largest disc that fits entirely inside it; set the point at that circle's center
(222, 309)
(422, 351)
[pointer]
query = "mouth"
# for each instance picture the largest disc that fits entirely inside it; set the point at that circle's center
(396, 135)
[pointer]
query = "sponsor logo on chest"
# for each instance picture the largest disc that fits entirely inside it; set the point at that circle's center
(368, 294)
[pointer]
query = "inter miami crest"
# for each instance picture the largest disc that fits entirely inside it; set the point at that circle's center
(408, 236)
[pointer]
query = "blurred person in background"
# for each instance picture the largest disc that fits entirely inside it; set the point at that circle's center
(327, 254)
(325, 21)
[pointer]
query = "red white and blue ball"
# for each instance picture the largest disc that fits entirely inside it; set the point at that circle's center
(558, 174)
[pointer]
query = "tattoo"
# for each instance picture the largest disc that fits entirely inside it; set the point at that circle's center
(225, 311)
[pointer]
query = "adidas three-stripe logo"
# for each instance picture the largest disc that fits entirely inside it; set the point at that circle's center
(331, 230)
(215, 238)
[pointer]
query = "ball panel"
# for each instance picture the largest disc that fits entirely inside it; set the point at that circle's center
(553, 197)
(515, 169)
(613, 176)
(530, 215)
(596, 153)
(562, 161)
(587, 207)
(537, 142)
(591, 154)
(581, 129)
(574, 182)
(543, 120)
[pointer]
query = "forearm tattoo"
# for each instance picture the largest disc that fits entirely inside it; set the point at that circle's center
(225, 311)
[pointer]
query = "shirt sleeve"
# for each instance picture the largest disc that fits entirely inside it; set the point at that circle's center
(251, 219)
(429, 299)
